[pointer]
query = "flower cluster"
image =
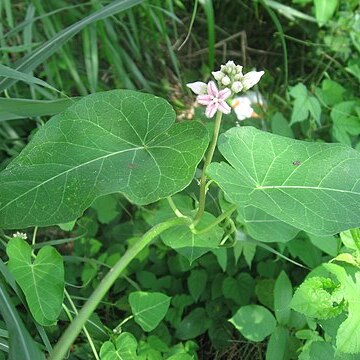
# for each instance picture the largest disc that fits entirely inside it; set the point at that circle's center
(20, 235)
(231, 75)
(230, 80)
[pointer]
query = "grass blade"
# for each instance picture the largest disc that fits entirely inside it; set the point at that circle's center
(11, 109)
(38, 56)
(20, 341)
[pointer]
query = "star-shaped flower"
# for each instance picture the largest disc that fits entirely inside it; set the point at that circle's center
(211, 97)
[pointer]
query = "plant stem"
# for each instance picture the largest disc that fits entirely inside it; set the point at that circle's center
(75, 327)
(218, 220)
(208, 158)
(91, 343)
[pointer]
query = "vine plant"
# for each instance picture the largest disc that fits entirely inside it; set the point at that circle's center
(126, 141)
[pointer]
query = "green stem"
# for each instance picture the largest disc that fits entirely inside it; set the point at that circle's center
(208, 158)
(90, 340)
(75, 327)
(218, 220)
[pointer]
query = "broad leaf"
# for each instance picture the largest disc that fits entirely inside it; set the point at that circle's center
(148, 308)
(116, 141)
(42, 281)
(192, 245)
(22, 346)
(264, 227)
(255, 322)
(311, 186)
(124, 348)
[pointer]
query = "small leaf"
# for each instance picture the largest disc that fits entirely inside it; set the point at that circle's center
(304, 105)
(193, 325)
(324, 10)
(255, 322)
(124, 348)
(192, 245)
(278, 344)
(282, 298)
(148, 308)
(42, 281)
(197, 283)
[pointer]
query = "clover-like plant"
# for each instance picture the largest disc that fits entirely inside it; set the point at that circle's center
(128, 142)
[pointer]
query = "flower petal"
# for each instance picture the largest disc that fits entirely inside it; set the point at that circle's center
(198, 87)
(204, 99)
(212, 89)
(224, 107)
(251, 78)
(224, 94)
(211, 110)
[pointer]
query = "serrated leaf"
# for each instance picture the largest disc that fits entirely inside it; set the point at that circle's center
(192, 245)
(148, 308)
(115, 141)
(255, 322)
(124, 348)
(311, 186)
(41, 280)
(316, 297)
(264, 227)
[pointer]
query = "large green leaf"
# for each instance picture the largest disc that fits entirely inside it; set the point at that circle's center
(311, 186)
(42, 281)
(264, 227)
(116, 141)
(22, 346)
(148, 308)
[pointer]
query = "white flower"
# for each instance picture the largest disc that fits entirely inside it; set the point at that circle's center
(250, 79)
(226, 81)
(236, 87)
(20, 235)
(198, 87)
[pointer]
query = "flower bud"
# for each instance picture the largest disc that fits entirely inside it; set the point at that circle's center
(226, 81)
(239, 69)
(198, 87)
(236, 87)
(238, 77)
(218, 75)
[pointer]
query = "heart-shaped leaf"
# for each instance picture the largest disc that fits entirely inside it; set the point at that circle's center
(311, 186)
(255, 322)
(115, 141)
(42, 281)
(148, 308)
(190, 244)
(124, 348)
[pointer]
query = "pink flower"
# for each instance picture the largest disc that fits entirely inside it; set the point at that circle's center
(211, 97)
